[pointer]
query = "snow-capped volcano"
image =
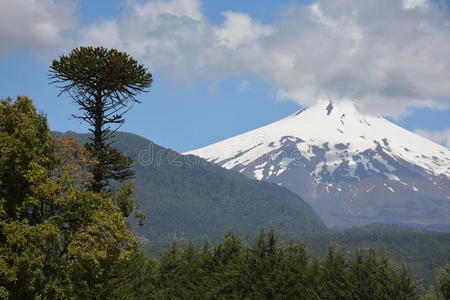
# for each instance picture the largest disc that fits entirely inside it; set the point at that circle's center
(353, 168)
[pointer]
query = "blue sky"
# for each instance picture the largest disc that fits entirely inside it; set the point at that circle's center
(185, 110)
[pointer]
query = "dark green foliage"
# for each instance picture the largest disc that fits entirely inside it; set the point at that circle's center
(112, 165)
(382, 228)
(267, 270)
(103, 83)
(91, 69)
(424, 252)
(444, 282)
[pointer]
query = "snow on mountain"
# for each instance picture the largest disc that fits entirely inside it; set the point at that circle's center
(340, 126)
(346, 164)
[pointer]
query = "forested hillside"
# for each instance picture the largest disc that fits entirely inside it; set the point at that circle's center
(189, 198)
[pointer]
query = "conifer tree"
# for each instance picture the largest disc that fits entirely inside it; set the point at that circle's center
(444, 282)
(104, 83)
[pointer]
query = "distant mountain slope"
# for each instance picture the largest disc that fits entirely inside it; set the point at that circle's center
(354, 169)
(188, 197)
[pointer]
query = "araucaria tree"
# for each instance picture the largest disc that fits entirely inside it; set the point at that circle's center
(104, 83)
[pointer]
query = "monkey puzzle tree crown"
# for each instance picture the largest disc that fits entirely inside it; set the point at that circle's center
(95, 74)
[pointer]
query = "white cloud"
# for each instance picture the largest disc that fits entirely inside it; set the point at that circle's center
(107, 32)
(385, 54)
(37, 26)
(179, 8)
(415, 3)
(239, 29)
(439, 136)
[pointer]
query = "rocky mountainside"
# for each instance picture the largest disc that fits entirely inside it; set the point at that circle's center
(353, 168)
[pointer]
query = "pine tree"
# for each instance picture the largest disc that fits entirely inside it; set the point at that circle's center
(444, 282)
(335, 277)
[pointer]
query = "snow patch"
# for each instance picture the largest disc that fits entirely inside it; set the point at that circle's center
(258, 174)
(391, 189)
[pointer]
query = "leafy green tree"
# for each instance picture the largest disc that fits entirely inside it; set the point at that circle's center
(24, 150)
(103, 83)
(58, 239)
